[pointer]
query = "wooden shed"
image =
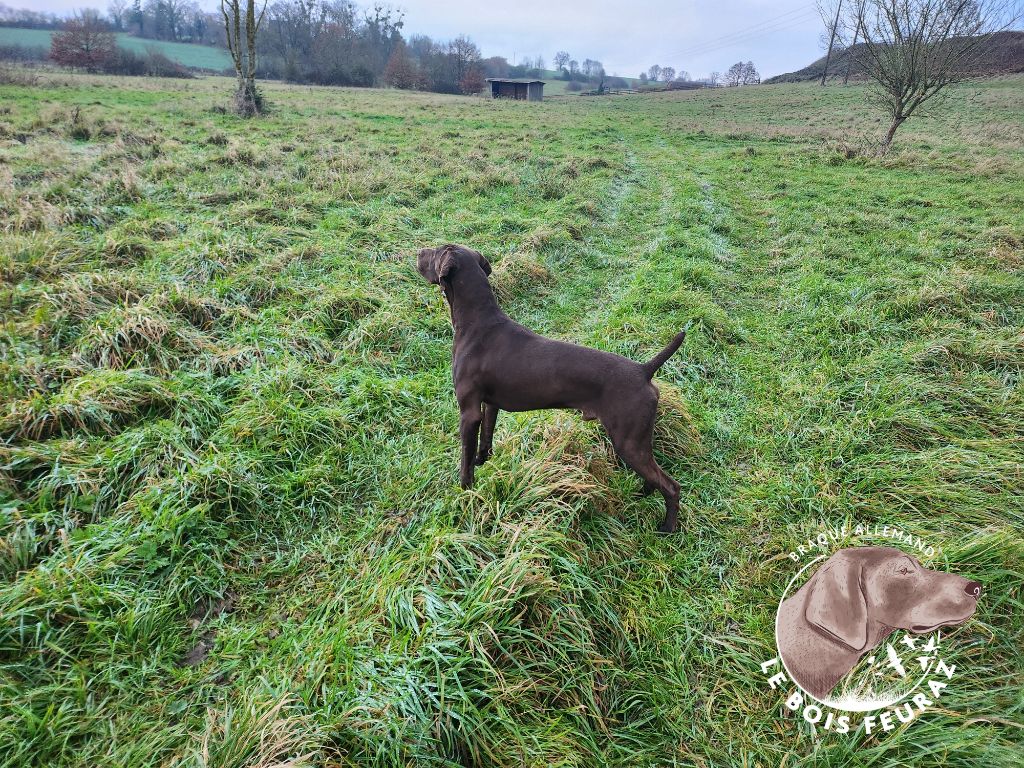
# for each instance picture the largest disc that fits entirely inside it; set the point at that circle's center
(515, 88)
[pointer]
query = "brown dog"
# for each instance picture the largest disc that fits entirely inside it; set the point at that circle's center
(498, 364)
(856, 599)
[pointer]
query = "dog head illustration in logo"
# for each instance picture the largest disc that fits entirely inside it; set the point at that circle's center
(856, 599)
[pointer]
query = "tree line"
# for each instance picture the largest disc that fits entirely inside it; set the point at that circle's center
(323, 42)
(740, 73)
(179, 21)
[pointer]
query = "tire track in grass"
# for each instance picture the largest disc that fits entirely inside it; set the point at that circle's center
(667, 593)
(631, 256)
(695, 611)
(584, 270)
(594, 274)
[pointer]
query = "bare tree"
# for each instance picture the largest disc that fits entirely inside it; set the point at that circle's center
(169, 17)
(591, 68)
(118, 13)
(850, 57)
(912, 49)
(715, 78)
(749, 74)
(734, 75)
(464, 55)
(561, 60)
(832, 22)
(248, 101)
(86, 42)
(654, 73)
(294, 27)
(668, 74)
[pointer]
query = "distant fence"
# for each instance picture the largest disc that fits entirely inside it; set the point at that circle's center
(608, 92)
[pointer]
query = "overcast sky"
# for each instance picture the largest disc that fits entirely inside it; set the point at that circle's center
(626, 35)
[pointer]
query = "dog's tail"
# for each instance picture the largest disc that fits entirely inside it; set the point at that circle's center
(651, 367)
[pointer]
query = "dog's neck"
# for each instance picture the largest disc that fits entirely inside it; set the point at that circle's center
(470, 300)
(815, 657)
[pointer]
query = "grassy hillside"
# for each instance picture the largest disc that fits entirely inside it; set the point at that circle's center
(1003, 55)
(198, 56)
(230, 526)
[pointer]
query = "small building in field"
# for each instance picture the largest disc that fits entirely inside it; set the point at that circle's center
(521, 89)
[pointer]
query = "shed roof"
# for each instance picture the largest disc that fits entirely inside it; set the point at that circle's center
(513, 80)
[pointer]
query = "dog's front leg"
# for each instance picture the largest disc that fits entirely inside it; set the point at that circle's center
(487, 433)
(469, 430)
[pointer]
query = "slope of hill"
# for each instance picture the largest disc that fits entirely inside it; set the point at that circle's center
(187, 54)
(1004, 55)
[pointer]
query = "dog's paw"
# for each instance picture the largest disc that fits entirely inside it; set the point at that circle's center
(482, 457)
(665, 528)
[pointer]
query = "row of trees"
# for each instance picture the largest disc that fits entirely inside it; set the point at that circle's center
(174, 20)
(591, 70)
(328, 42)
(26, 18)
(454, 67)
(333, 42)
(740, 73)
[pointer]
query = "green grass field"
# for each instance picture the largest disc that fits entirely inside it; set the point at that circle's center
(187, 54)
(231, 532)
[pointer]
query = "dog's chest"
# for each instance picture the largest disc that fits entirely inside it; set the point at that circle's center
(467, 360)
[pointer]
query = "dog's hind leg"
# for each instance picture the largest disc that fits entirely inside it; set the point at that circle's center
(633, 443)
(487, 433)
(469, 430)
(670, 490)
(641, 460)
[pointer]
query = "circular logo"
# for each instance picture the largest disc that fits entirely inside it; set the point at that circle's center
(891, 672)
(858, 631)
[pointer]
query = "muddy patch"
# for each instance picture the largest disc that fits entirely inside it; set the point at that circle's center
(206, 610)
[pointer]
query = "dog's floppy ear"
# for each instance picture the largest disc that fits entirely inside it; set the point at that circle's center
(435, 263)
(485, 265)
(445, 261)
(836, 604)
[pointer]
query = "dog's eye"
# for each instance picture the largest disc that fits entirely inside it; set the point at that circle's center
(904, 570)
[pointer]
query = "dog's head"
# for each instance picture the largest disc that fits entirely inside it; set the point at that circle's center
(437, 264)
(860, 584)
